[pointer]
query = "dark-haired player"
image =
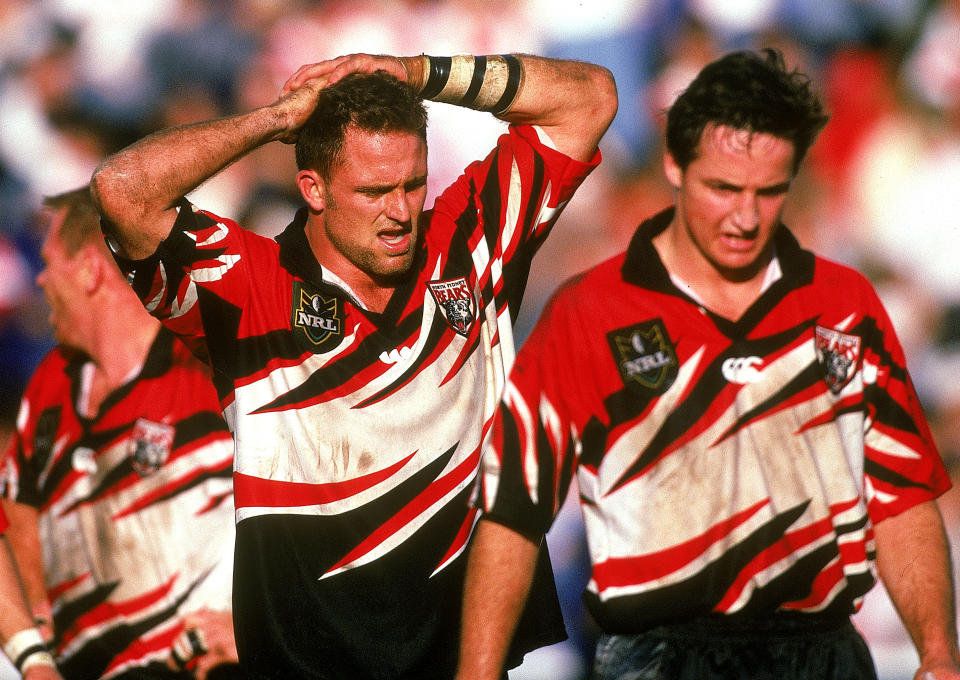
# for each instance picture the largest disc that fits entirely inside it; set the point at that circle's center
(749, 449)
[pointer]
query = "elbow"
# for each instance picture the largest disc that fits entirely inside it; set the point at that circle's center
(605, 101)
(107, 190)
(103, 189)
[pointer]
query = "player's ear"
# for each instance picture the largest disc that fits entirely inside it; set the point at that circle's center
(672, 170)
(311, 186)
(91, 268)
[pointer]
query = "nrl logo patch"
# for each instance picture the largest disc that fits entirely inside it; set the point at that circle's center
(645, 355)
(317, 321)
(838, 354)
(151, 444)
(455, 301)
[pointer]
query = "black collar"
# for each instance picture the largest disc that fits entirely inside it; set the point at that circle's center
(296, 256)
(643, 266)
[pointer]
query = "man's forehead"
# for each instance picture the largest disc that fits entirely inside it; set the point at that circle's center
(739, 140)
(374, 157)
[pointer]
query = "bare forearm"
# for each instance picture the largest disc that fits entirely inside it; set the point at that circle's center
(499, 573)
(14, 614)
(137, 188)
(24, 540)
(22, 642)
(914, 564)
(573, 102)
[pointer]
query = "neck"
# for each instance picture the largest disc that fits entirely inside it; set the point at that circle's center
(374, 294)
(121, 343)
(727, 294)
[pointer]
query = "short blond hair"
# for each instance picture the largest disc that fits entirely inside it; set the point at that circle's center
(81, 222)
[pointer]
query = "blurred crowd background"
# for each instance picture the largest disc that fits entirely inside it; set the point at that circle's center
(80, 79)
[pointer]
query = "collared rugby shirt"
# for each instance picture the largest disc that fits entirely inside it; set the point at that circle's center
(135, 506)
(359, 434)
(723, 468)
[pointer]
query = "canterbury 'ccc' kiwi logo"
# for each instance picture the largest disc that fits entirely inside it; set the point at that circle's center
(316, 320)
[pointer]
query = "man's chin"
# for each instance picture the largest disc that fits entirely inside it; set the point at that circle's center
(392, 279)
(395, 271)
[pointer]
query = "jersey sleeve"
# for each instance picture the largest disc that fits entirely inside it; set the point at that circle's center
(31, 446)
(535, 442)
(511, 199)
(204, 258)
(902, 466)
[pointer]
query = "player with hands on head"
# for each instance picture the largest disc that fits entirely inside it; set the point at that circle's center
(117, 480)
(23, 643)
(749, 450)
(360, 354)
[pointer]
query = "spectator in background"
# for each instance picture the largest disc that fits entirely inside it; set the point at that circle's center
(118, 478)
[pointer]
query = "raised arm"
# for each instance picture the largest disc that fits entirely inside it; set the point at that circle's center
(137, 188)
(914, 564)
(574, 102)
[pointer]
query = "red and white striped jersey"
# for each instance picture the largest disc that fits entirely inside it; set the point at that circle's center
(135, 506)
(358, 434)
(723, 467)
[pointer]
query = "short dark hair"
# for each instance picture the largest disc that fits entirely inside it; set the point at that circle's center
(81, 222)
(750, 91)
(375, 102)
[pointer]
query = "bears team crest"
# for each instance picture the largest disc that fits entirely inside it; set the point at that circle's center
(151, 444)
(838, 354)
(645, 356)
(316, 320)
(455, 302)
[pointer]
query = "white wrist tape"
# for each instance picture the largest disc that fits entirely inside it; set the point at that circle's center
(488, 83)
(38, 658)
(26, 648)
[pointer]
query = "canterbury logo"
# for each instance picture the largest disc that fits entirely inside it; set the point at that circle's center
(742, 370)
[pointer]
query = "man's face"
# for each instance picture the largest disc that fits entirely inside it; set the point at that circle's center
(730, 198)
(373, 201)
(59, 281)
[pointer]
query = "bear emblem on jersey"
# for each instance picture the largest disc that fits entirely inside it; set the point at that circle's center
(455, 302)
(151, 444)
(315, 319)
(838, 354)
(645, 356)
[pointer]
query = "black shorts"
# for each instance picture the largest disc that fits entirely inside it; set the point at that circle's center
(714, 648)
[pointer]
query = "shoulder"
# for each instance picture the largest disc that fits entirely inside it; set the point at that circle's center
(48, 387)
(51, 371)
(576, 299)
(842, 279)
